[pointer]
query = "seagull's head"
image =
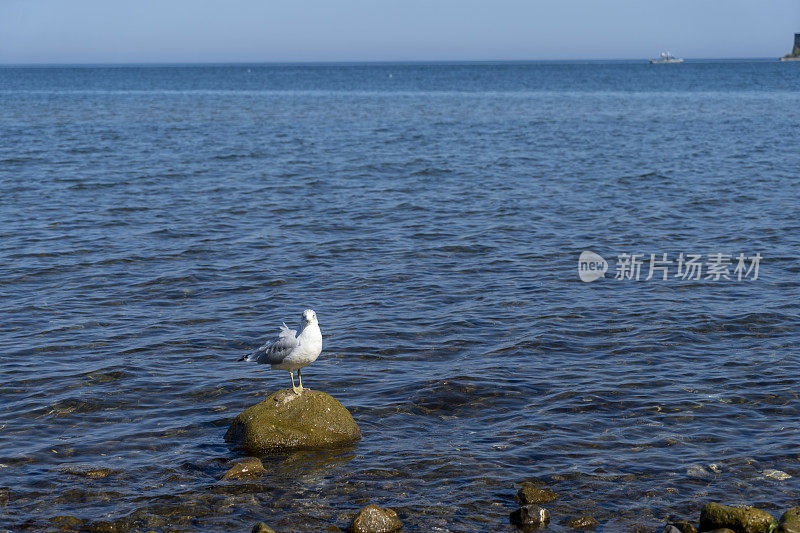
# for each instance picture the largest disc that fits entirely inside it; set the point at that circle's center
(309, 316)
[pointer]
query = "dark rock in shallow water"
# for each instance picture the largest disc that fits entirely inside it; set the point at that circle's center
(680, 526)
(583, 522)
(530, 516)
(246, 469)
(739, 519)
(531, 494)
(285, 421)
(86, 471)
(790, 521)
(373, 519)
(261, 527)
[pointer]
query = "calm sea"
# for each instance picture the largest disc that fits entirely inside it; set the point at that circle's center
(157, 222)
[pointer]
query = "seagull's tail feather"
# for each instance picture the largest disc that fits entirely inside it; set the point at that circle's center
(252, 356)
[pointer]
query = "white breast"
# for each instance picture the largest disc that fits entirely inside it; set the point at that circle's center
(307, 350)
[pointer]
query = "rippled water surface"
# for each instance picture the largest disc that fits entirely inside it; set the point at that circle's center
(156, 223)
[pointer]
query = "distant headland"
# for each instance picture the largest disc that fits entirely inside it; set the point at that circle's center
(795, 55)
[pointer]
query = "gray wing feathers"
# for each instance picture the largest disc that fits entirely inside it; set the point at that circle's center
(276, 351)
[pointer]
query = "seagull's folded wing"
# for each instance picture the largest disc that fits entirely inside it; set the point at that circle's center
(276, 351)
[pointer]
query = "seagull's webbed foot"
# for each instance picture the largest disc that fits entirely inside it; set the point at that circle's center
(296, 390)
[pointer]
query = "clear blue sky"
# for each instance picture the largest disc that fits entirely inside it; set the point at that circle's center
(115, 31)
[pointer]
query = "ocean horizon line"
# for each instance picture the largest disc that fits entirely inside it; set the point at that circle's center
(191, 64)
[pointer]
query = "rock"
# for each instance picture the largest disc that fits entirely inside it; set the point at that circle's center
(669, 528)
(247, 468)
(106, 527)
(530, 494)
(86, 471)
(739, 519)
(530, 515)
(790, 521)
(373, 519)
(583, 522)
(721, 530)
(681, 526)
(780, 475)
(285, 421)
(261, 527)
(697, 471)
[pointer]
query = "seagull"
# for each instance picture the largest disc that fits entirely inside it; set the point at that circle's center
(291, 351)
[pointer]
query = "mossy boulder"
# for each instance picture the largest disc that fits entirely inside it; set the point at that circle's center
(287, 421)
(790, 521)
(739, 519)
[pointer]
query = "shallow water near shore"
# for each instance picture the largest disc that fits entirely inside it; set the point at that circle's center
(158, 222)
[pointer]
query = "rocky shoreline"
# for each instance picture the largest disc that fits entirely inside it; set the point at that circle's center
(287, 422)
(714, 517)
(537, 508)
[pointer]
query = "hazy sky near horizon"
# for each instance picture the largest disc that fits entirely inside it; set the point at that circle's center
(146, 31)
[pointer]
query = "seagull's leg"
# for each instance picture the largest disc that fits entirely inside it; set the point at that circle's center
(295, 389)
(300, 377)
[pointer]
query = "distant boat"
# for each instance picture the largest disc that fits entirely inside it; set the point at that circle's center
(666, 57)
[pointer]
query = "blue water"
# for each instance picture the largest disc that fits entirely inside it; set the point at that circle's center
(158, 222)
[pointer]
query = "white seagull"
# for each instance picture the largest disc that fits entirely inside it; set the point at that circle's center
(291, 351)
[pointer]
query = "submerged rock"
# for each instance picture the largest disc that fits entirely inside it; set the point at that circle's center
(739, 519)
(247, 468)
(697, 471)
(790, 521)
(373, 519)
(285, 421)
(86, 471)
(261, 527)
(104, 526)
(530, 516)
(531, 494)
(583, 522)
(780, 475)
(67, 523)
